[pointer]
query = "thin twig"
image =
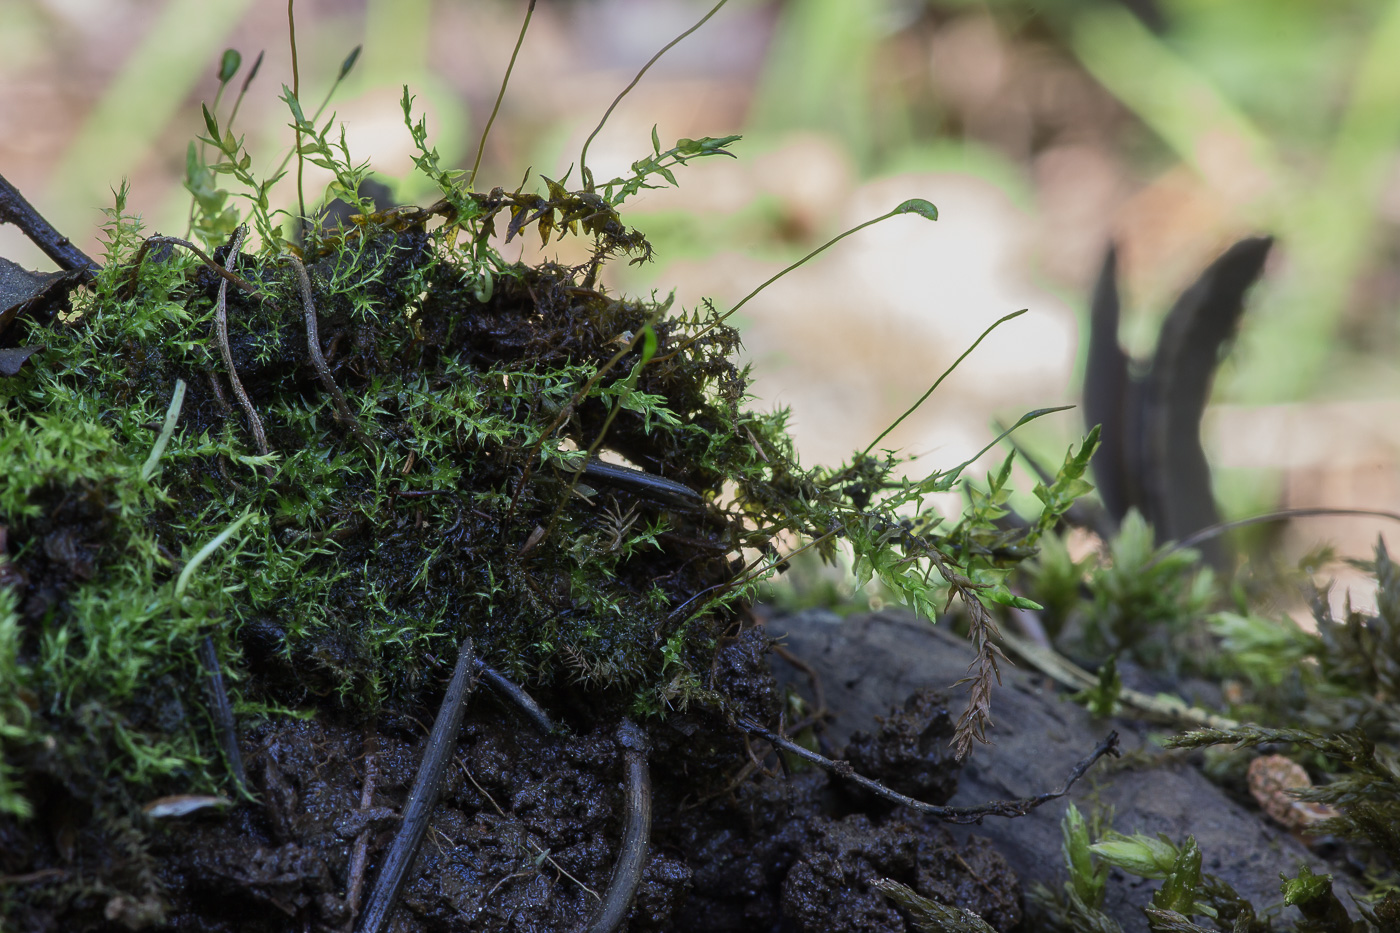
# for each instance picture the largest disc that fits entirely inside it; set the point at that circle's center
(222, 713)
(1007, 808)
(518, 696)
(221, 333)
(1211, 531)
(426, 785)
(519, 41)
(16, 210)
(636, 834)
(318, 361)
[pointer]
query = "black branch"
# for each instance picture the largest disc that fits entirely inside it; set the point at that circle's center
(421, 799)
(16, 210)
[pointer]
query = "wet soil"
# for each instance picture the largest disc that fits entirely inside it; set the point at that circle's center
(526, 829)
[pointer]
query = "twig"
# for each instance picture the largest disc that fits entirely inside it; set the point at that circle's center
(223, 713)
(516, 695)
(636, 834)
(359, 855)
(1007, 808)
(318, 362)
(1211, 531)
(221, 333)
(226, 274)
(423, 796)
(16, 210)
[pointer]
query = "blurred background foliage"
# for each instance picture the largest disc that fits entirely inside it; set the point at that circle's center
(1041, 130)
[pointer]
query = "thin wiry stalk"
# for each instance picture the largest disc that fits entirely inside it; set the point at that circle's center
(419, 808)
(1007, 808)
(520, 40)
(242, 92)
(636, 834)
(296, 92)
(583, 156)
(1211, 531)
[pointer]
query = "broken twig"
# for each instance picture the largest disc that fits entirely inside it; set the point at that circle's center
(636, 833)
(1007, 808)
(416, 812)
(359, 855)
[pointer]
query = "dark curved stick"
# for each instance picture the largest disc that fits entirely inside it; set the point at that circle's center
(516, 695)
(636, 833)
(416, 812)
(16, 210)
(1007, 808)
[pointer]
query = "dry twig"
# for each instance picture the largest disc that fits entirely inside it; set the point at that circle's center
(518, 696)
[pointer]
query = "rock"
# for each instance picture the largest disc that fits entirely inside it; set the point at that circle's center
(871, 663)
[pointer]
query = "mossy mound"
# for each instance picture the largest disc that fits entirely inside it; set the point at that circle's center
(443, 502)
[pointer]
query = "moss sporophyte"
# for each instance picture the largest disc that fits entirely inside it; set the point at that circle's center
(315, 467)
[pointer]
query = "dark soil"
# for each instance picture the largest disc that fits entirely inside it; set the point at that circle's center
(526, 830)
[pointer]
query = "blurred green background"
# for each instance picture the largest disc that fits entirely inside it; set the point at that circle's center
(1041, 130)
